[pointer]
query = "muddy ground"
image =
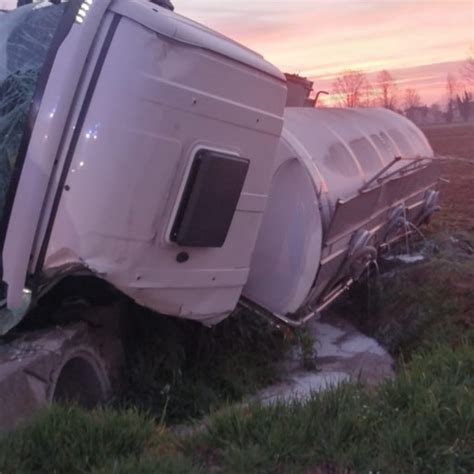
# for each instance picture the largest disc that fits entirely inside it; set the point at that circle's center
(457, 214)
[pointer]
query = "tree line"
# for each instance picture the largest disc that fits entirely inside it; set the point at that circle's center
(352, 88)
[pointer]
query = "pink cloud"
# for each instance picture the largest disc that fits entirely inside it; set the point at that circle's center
(323, 37)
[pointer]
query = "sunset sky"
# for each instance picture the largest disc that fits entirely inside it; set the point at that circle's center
(418, 41)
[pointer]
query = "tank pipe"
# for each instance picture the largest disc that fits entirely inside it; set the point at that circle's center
(449, 158)
(317, 96)
(380, 173)
(294, 323)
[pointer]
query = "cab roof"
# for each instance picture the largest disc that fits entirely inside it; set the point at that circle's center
(179, 28)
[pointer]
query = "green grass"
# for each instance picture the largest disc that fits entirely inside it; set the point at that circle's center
(413, 307)
(421, 422)
(177, 370)
(67, 439)
(70, 440)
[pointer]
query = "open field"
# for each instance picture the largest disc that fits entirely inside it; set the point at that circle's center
(423, 421)
(457, 196)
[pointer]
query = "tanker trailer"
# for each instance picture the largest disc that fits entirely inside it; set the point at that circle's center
(346, 184)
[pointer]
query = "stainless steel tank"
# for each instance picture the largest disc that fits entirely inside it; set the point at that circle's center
(347, 182)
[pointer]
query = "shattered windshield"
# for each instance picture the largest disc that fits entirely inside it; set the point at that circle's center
(26, 35)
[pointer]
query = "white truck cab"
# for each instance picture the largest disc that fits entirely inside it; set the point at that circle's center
(145, 158)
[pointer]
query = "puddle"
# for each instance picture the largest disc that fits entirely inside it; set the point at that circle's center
(406, 258)
(343, 355)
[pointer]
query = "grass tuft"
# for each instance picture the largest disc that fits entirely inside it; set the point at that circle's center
(421, 422)
(414, 307)
(179, 370)
(69, 440)
(165, 465)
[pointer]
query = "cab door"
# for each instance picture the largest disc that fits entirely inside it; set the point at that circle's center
(43, 51)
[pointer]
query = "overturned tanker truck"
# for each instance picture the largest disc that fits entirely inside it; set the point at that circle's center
(141, 149)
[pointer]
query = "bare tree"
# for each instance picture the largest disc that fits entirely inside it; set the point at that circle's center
(451, 89)
(350, 88)
(387, 89)
(451, 85)
(464, 105)
(412, 99)
(467, 69)
(367, 96)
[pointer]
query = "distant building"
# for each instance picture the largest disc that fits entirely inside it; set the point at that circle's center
(299, 91)
(425, 115)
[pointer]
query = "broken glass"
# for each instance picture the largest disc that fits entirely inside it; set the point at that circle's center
(26, 36)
